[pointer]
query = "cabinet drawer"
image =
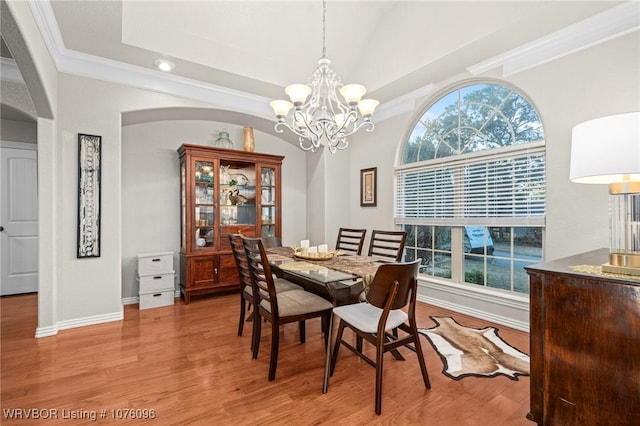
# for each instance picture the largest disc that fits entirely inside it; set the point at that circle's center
(155, 263)
(156, 299)
(149, 283)
(246, 230)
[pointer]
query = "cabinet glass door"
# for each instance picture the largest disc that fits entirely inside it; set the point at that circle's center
(237, 193)
(204, 211)
(268, 202)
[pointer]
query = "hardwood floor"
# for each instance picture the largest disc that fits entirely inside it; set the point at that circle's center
(186, 363)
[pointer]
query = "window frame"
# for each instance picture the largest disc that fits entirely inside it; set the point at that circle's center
(457, 223)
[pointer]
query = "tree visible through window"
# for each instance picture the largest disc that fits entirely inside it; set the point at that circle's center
(471, 189)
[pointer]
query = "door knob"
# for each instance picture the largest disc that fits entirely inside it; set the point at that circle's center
(1, 228)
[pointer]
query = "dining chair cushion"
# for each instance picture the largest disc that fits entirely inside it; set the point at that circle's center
(365, 316)
(285, 285)
(297, 302)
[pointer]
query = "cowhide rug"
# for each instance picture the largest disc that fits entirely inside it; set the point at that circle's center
(474, 352)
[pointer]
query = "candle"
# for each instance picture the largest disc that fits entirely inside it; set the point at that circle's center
(304, 247)
(323, 249)
(313, 251)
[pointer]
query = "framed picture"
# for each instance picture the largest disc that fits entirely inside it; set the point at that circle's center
(368, 185)
(89, 192)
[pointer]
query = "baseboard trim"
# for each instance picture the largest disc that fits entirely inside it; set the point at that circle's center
(97, 319)
(453, 302)
(78, 322)
(51, 330)
(504, 309)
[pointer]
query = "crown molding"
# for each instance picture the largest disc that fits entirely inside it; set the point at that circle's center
(91, 66)
(402, 104)
(95, 67)
(10, 71)
(607, 25)
(46, 22)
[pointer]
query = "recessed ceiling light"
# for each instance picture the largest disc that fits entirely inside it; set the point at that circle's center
(164, 65)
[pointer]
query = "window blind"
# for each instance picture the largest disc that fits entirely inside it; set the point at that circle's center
(499, 187)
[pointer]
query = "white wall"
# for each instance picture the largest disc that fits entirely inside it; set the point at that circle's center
(91, 290)
(338, 193)
(602, 80)
(316, 198)
(16, 95)
(151, 186)
(596, 82)
(377, 149)
(19, 131)
(328, 195)
(560, 90)
(599, 81)
(38, 70)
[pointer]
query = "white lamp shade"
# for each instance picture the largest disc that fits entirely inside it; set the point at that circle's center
(298, 92)
(606, 150)
(367, 106)
(281, 108)
(352, 93)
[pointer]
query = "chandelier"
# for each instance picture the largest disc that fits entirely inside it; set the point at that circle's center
(324, 113)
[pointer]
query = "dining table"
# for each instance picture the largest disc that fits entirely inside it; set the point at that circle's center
(339, 278)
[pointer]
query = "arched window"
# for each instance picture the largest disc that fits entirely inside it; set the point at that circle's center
(470, 191)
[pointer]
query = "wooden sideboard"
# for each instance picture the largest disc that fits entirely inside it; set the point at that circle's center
(585, 344)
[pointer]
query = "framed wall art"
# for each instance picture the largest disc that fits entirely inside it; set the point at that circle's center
(89, 194)
(368, 190)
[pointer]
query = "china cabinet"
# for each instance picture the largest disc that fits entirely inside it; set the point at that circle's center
(223, 192)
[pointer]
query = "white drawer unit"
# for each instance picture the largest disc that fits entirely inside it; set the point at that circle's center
(156, 280)
(156, 299)
(149, 283)
(155, 263)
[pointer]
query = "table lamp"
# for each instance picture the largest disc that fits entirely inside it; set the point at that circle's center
(607, 151)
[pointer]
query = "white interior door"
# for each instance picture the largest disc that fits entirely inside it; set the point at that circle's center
(18, 219)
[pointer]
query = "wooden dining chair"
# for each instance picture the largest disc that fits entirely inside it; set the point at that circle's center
(247, 294)
(280, 308)
(351, 240)
(244, 274)
(387, 244)
(393, 288)
(269, 242)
